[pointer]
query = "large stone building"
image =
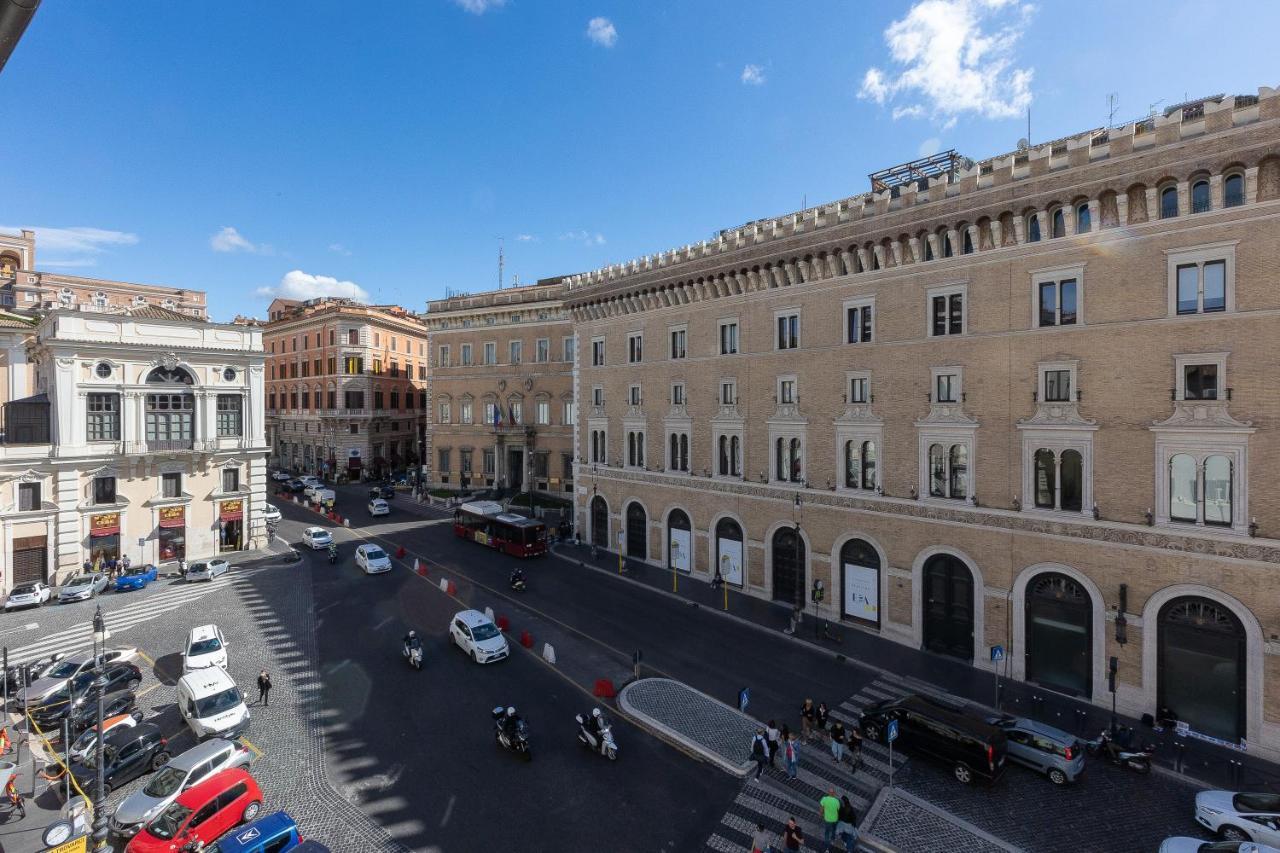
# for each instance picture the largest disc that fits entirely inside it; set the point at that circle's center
(502, 410)
(1023, 402)
(346, 387)
(136, 431)
(24, 288)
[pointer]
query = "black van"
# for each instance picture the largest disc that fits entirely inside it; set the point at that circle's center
(973, 747)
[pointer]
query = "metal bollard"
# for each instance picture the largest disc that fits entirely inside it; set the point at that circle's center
(1180, 755)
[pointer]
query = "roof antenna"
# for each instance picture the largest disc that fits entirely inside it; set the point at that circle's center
(1113, 101)
(500, 263)
(1028, 127)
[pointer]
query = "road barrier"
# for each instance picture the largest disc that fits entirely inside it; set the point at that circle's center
(346, 522)
(526, 640)
(603, 689)
(400, 552)
(548, 653)
(444, 585)
(488, 613)
(452, 588)
(503, 623)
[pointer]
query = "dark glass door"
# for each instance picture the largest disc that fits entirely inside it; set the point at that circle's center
(1201, 675)
(599, 522)
(637, 532)
(788, 566)
(948, 607)
(1059, 643)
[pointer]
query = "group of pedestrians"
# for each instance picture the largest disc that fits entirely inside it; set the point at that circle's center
(109, 566)
(839, 818)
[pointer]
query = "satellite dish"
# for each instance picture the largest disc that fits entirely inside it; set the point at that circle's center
(1023, 144)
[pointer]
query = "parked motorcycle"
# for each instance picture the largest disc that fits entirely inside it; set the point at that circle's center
(1138, 760)
(601, 742)
(518, 741)
(413, 653)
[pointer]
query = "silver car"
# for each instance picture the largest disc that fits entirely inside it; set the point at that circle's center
(1053, 752)
(82, 587)
(1235, 816)
(53, 681)
(207, 570)
(1186, 844)
(196, 764)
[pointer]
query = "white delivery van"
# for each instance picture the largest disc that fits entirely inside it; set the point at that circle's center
(324, 496)
(212, 704)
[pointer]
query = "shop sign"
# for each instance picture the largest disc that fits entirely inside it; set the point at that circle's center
(105, 524)
(173, 516)
(231, 510)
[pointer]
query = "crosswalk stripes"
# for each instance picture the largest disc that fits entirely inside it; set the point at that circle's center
(120, 618)
(776, 798)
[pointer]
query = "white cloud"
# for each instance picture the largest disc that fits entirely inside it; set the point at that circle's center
(228, 239)
(81, 245)
(949, 57)
(929, 147)
(81, 262)
(339, 249)
(587, 238)
(297, 284)
(602, 32)
(526, 238)
(753, 75)
(479, 7)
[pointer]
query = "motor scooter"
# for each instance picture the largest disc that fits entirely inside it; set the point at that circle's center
(1137, 760)
(517, 742)
(601, 742)
(413, 653)
(517, 583)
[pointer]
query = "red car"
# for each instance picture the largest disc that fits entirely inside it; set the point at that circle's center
(201, 813)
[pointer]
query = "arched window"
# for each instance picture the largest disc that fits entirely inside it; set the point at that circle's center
(599, 522)
(1033, 228)
(967, 243)
(868, 464)
(852, 465)
(1071, 478)
(928, 247)
(945, 239)
(1168, 202)
(780, 453)
(937, 472)
(1200, 197)
(679, 541)
(684, 451)
(673, 460)
(1059, 223)
(1217, 491)
(860, 582)
(637, 531)
(1084, 219)
(959, 471)
(1046, 481)
(729, 553)
(1201, 666)
(795, 461)
(735, 456)
(724, 456)
(1182, 488)
(1233, 191)
(1059, 634)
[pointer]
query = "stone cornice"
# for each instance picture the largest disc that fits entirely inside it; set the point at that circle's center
(1114, 533)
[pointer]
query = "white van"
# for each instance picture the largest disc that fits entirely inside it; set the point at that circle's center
(321, 495)
(211, 704)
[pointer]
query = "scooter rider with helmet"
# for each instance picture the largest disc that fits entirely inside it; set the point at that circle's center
(411, 640)
(333, 552)
(593, 723)
(510, 723)
(517, 576)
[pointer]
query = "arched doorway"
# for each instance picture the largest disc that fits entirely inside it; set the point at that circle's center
(599, 522)
(170, 409)
(679, 541)
(860, 582)
(948, 606)
(789, 561)
(1201, 666)
(729, 551)
(637, 531)
(1059, 634)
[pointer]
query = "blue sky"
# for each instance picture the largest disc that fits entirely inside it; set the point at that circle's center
(382, 149)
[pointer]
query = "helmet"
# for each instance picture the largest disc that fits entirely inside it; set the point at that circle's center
(412, 634)
(595, 712)
(511, 711)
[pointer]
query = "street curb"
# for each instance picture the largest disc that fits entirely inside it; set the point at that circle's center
(686, 744)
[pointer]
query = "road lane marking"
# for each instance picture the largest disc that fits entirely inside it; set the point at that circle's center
(142, 693)
(257, 753)
(448, 810)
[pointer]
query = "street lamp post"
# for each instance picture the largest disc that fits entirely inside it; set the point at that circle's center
(99, 800)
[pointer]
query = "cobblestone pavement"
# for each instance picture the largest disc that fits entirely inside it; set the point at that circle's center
(709, 727)
(905, 822)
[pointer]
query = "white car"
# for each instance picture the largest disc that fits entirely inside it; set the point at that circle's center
(123, 654)
(372, 559)
(476, 635)
(310, 480)
(1187, 844)
(1240, 817)
(317, 538)
(271, 514)
(205, 647)
(280, 476)
(310, 491)
(28, 595)
(207, 570)
(378, 506)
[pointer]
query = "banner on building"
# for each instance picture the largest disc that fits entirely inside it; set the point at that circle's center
(231, 510)
(862, 592)
(105, 524)
(173, 516)
(681, 550)
(730, 551)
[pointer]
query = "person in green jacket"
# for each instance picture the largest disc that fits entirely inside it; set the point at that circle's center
(830, 808)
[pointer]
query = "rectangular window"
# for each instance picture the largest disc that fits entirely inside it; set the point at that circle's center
(540, 465)
(635, 348)
(566, 466)
(948, 314)
(568, 349)
(516, 410)
(466, 412)
(331, 402)
(443, 459)
(728, 392)
(544, 412)
(231, 415)
(28, 497)
(293, 370)
(542, 350)
(490, 413)
(466, 355)
(1200, 381)
(859, 389)
(353, 399)
(306, 369)
(1057, 303)
(271, 402)
(569, 413)
(316, 367)
(597, 396)
(858, 323)
(444, 356)
(633, 395)
(306, 402)
(466, 462)
(1057, 386)
(353, 365)
(377, 401)
(104, 417)
(490, 461)
(490, 353)
(353, 337)
(171, 485)
(446, 412)
(333, 366)
(597, 353)
(945, 387)
(377, 367)
(354, 429)
(677, 394)
(728, 337)
(333, 337)
(230, 479)
(788, 331)
(677, 343)
(517, 351)
(786, 391)
(104, 490)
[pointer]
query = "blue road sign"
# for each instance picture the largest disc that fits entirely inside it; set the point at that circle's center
(744, 696)
(892, 732)
(997, 654)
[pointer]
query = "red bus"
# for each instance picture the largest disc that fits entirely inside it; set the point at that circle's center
(486, 523)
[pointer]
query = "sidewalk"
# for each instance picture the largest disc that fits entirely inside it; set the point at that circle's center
(1187, 758)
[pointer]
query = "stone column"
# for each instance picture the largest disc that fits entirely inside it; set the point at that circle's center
(997, 234)
(863, 259)
(1184, 198)
(1095, 215)
(975, 237)
(1122, 208)
(1216, 199)
(1153, 204)
(1251, 185)
(935, 249)
(879, 255)
(916, 255)
(1019, 229)
(896, 248)
(1069, 218)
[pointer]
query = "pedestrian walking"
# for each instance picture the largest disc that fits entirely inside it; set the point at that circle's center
(771, 734)
(4, 741)
(808, 715)
(88, 566)
(847, 827)
(760, 840)
(182, 567)
(830, 808)
(855, 747)
(759, 751)
(821, 717)
(792, 837)
(838, 739)
(792, 755)
(125, 563)
(264, 688)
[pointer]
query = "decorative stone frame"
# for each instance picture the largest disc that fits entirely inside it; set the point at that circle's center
(1201, 444)
(779, 313)
(1200, 255)
(981, 660)
(947, 290)
(1057, 275)
(1097, 619)
(671, 330)
(1182, 361)
(720, 324)
(860, 302)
